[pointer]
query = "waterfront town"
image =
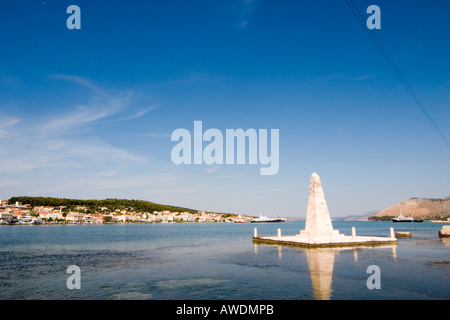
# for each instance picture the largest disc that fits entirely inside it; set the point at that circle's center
(17, 213)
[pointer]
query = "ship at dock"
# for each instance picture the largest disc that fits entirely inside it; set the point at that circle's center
(402, 218)
(264, 219)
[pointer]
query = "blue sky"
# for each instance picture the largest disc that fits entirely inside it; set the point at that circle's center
(89, 113)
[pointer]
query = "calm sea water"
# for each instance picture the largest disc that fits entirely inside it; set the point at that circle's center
(217, 261)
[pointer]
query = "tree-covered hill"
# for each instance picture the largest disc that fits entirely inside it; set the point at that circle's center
(111, 204)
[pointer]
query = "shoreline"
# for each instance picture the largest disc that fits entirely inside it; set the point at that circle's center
(44, 223)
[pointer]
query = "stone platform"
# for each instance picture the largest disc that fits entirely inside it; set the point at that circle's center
(444, 232)
(339, 240)
(403, 234)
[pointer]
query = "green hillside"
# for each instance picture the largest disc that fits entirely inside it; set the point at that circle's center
(111, 204)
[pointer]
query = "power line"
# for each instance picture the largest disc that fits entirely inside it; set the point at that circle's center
(391, 63)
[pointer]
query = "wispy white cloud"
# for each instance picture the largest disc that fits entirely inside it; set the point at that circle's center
(22, 154)
(54, 141)
(342, 76)
(79, 116)
(361, 77)
(82, 81)
(104, 105)
(102, 183)
(5, 124)
(138, 114)
(211, 170)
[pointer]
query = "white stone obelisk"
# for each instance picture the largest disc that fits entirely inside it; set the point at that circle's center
(318, 221)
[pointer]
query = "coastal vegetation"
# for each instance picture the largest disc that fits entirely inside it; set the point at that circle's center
(36, 210)
(93, 205)
(382, 218)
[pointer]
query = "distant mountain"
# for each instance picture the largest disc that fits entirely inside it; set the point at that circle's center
(290, 219)
(421, 208)
(362, 217)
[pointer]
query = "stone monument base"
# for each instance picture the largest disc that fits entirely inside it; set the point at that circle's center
(336, 239)
(340, 241)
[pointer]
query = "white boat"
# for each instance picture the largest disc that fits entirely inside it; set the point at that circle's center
(263, 219)
(402, 218)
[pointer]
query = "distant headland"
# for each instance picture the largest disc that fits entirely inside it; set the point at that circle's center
(419, 208)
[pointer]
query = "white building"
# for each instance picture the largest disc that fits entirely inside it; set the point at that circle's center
(54, 215)
(6, 216)
(74, 217)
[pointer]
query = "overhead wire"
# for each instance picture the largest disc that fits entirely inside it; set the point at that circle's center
(391, 63)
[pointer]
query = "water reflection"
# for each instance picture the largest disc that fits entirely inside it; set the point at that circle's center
(321, 264)
(446, 241)
(280, 251)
